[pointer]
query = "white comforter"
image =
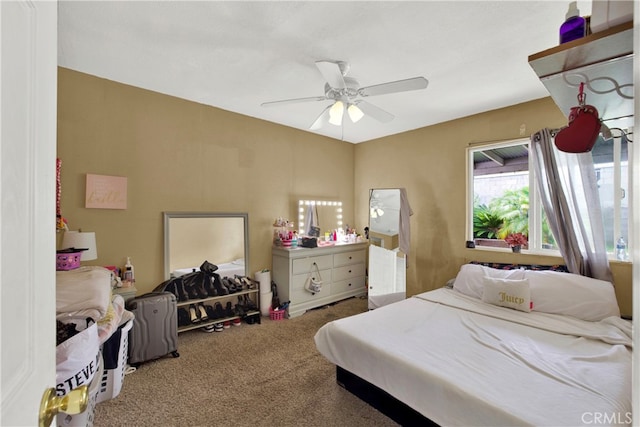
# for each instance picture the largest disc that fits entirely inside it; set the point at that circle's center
(459, 361)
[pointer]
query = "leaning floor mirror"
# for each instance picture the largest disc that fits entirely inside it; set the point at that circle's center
(190, 238)
(387, 264)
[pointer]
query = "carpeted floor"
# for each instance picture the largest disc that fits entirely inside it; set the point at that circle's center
(250, 375)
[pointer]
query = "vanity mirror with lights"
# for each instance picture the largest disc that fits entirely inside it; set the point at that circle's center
(387, 264)
(324, 214)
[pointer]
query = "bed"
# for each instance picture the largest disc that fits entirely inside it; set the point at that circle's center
(465, 355)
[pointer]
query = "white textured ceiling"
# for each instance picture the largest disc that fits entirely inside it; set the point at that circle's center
(236, 55)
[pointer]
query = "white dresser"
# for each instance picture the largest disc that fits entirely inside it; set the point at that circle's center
(342, 269)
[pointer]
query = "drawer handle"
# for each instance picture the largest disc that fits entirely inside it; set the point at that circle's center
(349, 284)
(349, 271)
(350, 258)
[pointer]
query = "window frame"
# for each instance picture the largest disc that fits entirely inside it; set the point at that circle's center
(535, 204)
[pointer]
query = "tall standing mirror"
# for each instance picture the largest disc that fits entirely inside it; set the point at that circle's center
(387, 264)
(190, 238)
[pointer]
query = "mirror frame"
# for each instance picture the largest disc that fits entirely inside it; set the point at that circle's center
(168, 216)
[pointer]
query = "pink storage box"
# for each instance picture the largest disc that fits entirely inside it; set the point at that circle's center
(68, 261)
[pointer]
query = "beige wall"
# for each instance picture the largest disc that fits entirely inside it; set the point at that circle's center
(179, 155)
(183, 156)
(431, 164)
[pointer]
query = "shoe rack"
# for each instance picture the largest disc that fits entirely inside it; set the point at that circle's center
(236, 297)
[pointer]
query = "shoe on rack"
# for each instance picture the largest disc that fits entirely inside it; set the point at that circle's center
(207, 267)
(211, 313)
(226, 324)
(236, 322)
(249, 304)
(183, 317)
(208, 286)
(193, 313)
(239, 283)
(192, 292)
(199, 285)
(208, 328)
(182, 294)
(219, 311)
(229, 310)
(240, 311)
(218, 327)
(250, 284)
(228, 283)
(202, 311)
(217, 283)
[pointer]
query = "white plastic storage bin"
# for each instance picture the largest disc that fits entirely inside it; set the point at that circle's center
(84, 419)
(111, 379)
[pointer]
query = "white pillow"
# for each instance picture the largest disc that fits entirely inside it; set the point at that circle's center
(507, 293)
(572, 295)
(469, 280)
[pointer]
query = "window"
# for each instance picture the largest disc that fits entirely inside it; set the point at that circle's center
(503, 196)
(612, 173)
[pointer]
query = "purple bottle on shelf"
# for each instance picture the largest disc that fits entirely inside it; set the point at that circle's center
(574, 26)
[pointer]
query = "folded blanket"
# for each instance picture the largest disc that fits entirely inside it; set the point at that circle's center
(83, 292)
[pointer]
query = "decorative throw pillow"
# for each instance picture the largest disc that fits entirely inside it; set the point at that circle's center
(573, 295)
(469, 280)
(507, 293)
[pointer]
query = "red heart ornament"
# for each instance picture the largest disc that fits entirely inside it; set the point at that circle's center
(582, 132)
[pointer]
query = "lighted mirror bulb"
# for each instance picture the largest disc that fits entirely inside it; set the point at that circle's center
(335, 113)
(355, 113)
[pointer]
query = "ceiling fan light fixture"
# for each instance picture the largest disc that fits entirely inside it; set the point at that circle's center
(355, 113)
(336, 112)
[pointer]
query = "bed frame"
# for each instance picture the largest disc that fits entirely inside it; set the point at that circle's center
(381, 400)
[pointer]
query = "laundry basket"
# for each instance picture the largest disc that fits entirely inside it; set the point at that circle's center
(277, 314)
(112, 379)
(84, 418)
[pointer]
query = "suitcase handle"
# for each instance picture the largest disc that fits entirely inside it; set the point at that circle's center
(131, 304)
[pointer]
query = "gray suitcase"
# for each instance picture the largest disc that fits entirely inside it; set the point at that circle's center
(155, 329)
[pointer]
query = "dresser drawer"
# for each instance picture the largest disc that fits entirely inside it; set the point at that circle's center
(357, 283)
(298, 292)
(303, 265)
(348, 272)
(346, 258)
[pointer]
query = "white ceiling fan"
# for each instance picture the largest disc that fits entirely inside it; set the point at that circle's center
(346, 94)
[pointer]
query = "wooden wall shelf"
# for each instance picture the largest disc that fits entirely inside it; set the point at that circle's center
(604, 62)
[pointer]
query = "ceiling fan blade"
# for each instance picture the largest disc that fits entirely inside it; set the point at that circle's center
(322, 119)
(331, 73)
(293, 101)
(393, 87)
(375, 112)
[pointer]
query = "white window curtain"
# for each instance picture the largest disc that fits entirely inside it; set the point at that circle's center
(569, 194)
